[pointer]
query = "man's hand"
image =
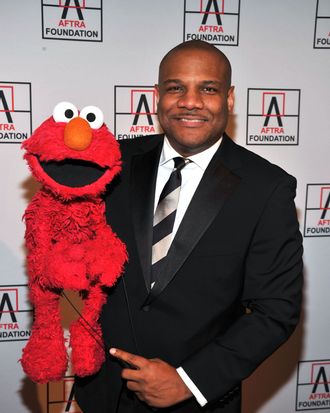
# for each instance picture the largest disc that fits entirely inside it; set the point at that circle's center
(152, 380)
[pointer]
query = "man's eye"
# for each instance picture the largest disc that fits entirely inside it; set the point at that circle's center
(174, 89)
(209, 89)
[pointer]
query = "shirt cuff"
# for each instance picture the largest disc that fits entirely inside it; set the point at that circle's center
(191, 386)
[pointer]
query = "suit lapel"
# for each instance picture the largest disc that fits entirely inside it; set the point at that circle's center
(217, 184)
(143, 181)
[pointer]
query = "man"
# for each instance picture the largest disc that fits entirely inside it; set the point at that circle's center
(187, 325)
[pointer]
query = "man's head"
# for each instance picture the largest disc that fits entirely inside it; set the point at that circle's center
(194, 96)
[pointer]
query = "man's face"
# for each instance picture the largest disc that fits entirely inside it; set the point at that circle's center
(194, 98)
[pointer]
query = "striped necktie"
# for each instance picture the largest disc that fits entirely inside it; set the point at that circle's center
(165, 216)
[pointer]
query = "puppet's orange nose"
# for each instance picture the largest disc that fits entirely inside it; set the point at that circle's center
(78, 134)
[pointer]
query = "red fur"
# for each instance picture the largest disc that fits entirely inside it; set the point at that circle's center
(70, 246)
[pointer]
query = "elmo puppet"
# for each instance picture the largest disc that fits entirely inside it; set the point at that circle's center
(74, 156)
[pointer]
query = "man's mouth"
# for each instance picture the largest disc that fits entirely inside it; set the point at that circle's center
(74, 173)
(190, 120)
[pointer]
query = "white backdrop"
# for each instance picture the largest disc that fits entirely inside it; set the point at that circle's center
(107, 55)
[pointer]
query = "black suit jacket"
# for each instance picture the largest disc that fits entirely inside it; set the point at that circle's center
(231, 289)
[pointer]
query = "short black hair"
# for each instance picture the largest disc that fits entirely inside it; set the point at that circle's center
(199, 45)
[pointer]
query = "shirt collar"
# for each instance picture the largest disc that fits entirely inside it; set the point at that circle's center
(201, 159)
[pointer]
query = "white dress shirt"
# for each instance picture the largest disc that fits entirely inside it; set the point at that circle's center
(191, 174)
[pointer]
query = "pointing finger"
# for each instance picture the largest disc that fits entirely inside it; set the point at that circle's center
(132, 359)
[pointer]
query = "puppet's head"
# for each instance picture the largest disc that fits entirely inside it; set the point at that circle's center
(73, 154)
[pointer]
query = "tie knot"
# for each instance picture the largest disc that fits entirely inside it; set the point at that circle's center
(180, 163)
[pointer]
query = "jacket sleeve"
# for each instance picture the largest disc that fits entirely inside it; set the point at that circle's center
(271, 296)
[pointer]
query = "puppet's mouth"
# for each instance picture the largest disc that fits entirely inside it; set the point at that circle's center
(74, 173)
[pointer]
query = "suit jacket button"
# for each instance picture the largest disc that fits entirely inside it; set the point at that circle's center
(146, 308)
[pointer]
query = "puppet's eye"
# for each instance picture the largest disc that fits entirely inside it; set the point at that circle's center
(64, 112)
(93, 115)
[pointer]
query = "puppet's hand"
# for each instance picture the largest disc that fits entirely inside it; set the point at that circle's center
(44, 357)
(106, 257)
(67, 266)
(87, 347)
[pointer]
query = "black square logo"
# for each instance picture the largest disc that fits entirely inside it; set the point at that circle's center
(135, 111)
(60, 396)
(313, 385)
(79, 20)
(273, 116)
(214, 21)
(322, 25)
(317, 211)
(15, 309)
(15, 112)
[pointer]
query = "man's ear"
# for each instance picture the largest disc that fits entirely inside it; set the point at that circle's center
(157, 92)
(230, 98)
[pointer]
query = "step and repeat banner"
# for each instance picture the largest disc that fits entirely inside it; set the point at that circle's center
(106, 53)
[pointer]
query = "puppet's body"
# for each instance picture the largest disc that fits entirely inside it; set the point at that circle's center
(70, 246)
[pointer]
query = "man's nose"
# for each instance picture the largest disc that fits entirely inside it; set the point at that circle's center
(191, 99)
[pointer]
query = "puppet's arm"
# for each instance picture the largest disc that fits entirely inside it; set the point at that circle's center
(86, 338)
(44, 357)
(106, 254)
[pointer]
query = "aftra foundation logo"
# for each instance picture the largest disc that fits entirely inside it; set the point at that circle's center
(273, 117)
(317, 211)
(79, 20)
(322, 25)
(215, 21)
(313, 385)
(15, 112)
(135, 112)
(15, 317)
(60, 396)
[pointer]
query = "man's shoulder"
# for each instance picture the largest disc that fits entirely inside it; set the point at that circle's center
(139, 144)
(254, 165)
